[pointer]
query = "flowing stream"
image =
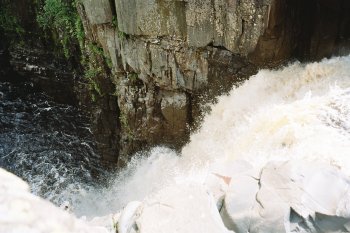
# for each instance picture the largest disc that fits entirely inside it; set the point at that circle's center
(301, 111)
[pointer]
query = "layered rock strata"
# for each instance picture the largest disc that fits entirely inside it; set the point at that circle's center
(167, 55)
(162, 59)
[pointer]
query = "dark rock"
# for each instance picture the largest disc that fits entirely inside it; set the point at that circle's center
(158, 51)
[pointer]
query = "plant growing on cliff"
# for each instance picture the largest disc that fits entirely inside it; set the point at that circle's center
(92, 72)
(9, 22)
(121, 35)
(79, 32)
(95, 49)
(61, 16)
(123, 119)
(91, 75)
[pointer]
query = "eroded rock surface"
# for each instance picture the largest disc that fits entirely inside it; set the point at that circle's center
(179, 208)
(155, 62)
(288, 197)
(165, 54)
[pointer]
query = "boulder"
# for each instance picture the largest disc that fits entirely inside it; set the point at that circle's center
(184, 208)
(20, 211)
(219, 177)
(126, 222)
(292, 196)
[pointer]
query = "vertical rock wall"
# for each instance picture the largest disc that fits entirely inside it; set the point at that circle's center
(165, 54)
(160, 59)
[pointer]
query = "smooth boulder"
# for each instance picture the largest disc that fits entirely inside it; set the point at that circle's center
(293, 196)
(20, 211)
(183, 208)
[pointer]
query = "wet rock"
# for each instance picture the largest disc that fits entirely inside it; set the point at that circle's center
(220, 176)
(289, 196)
(174, 110)
(180, 208)
(126, 221)
(21, 211)
(197, 48)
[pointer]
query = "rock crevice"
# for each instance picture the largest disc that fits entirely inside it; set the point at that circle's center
(160, 60)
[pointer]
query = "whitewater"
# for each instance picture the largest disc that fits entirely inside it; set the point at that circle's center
(283, 133)
(301, 111)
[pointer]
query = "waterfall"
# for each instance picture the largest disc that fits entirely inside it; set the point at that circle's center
(270, 156)
(301, 111)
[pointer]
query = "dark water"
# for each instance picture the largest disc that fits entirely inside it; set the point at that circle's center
(49, 145)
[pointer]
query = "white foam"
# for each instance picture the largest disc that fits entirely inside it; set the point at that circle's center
(301, 111)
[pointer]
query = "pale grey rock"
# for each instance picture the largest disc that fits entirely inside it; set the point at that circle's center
(220, 176)
(20, 211)
(235, 25)
(126, 221)
(183, 208)
(135, 56)
(292, 196)
(151, 17)
(240, 204)
(98, 11)
(108, 37)
(108, 221)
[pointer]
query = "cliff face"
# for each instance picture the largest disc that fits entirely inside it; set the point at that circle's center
(167, 53)
(27, 50)
(160, 59)
(54, 54)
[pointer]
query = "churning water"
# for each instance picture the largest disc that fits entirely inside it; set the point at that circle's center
(301, 111)
(47, 144)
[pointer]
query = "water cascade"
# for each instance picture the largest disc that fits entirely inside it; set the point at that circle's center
(295, 118)
(298, 112)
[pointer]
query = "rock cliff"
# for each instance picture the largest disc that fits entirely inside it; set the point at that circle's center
(157, 61)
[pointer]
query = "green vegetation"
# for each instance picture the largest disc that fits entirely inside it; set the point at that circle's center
(62, 17)
(95, 87)
(125, 126)
(121, 35)
(79, 32)
(9, 23)
(109, 62)
(133, 77)
(95, 49)
(115, 21)
(91, 74)
(98, 51)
